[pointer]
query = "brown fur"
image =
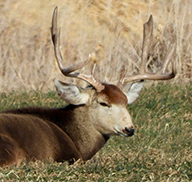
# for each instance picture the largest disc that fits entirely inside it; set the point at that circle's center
(29, 136)
(37, 133)
(114, 95)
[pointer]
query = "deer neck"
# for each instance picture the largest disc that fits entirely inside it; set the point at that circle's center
(83, 133)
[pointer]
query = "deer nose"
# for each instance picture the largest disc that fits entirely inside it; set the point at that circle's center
(130, 131)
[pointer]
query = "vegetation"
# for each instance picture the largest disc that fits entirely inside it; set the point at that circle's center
(161, 149)
(111, 28)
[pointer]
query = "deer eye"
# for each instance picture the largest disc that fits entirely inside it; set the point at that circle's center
(104, 104)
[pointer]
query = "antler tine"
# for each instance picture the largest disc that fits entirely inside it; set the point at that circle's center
(144, 75)
(55, 39)
(55, 33)
(147, 41)
(121, 79)
(168, 59)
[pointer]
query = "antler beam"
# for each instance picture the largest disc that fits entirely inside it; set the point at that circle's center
(144, 75)
(69, 72)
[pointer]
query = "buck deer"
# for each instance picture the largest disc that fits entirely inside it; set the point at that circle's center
(80, 129)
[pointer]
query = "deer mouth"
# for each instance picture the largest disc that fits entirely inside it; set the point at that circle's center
(127, 132)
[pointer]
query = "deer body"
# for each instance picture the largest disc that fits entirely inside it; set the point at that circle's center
(31, 137)
(57, 135)
(80, 129)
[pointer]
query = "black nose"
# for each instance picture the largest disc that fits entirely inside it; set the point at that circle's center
(130, 132)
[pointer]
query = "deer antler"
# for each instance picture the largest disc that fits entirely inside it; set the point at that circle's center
(144, 75)
(55, 33)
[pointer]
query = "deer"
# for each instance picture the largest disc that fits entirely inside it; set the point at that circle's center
(93, 114)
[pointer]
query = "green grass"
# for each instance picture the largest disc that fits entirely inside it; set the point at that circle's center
(161, 149)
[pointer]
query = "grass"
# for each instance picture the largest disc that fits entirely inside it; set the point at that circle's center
(161, 149)
(26, 52)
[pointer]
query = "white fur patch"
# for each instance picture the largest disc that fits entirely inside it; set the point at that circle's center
(71, 93)
(134, 92)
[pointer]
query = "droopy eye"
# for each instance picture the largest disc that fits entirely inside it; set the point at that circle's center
(104, 104)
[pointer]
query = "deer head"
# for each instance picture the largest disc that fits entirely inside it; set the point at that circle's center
(106, 103)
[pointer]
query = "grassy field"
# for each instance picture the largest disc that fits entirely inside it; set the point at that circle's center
(161, 149)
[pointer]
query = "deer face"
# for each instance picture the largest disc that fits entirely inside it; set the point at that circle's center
(106, 109)
(112, 115)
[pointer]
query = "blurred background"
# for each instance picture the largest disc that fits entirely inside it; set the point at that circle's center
(112, 29)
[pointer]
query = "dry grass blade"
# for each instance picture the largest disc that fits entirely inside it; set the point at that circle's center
(26, 52)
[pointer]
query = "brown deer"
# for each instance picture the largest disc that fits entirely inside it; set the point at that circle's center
(80, 129)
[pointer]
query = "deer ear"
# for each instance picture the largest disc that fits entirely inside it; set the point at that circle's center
(71, 93)
(134, 92)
